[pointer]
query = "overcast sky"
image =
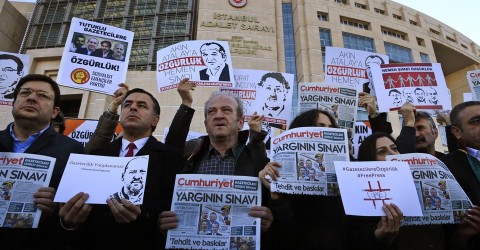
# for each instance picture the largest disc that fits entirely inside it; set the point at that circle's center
(460, 14)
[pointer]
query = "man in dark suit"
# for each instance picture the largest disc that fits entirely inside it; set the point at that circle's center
(35, 103)
(464, 164)
(215, 227)
(105, 51)
(91, 47)
(123, 220)
(214, 57)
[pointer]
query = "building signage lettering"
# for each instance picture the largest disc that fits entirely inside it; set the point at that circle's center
(240, 46)
(242, 22)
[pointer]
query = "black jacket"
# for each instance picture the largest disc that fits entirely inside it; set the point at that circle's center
(102, 232)
(58, 146)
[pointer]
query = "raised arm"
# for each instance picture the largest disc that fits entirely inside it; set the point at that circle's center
(178, 131)
(108, 121)
(378, 121)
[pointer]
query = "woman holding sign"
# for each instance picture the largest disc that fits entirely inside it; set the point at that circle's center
(386, 233)
(307, 221)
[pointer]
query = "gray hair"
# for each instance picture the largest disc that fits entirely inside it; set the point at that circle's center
(220, 93)
(426, 116)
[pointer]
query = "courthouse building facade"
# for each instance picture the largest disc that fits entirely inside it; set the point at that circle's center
(277, 35)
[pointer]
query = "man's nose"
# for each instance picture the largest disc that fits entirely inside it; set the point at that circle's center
(417, 133)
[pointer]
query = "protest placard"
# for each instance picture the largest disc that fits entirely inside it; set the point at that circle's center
(213, 212)
(265, 92)
(442, 198)
(21, 175)
(366, 186)
(421, 84)
(87, 66)
(362, 130)
(104, 177)
(473, 78)
(349, 67)
(340, 101)
(207, 63)
(82, 130)
(307, 155)
(13, 67)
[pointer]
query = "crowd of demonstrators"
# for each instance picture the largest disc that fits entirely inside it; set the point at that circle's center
(287, 221)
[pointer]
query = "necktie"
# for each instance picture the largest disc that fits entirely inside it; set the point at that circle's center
(131, 146)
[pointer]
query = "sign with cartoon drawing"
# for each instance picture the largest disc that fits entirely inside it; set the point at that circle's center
(421, 84)
(207, 63)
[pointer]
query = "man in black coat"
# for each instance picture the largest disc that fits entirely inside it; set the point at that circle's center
(35, 103)
(223, 122)
(464, 164)
(108, 224)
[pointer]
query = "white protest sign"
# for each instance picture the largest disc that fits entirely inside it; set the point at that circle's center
(473, 78)
(207, 63)
(362, 130)
(349, 67)
(366, 186)
(421, 84)
(104, 177)
(95, 57)
(265, 92)
(13, 67)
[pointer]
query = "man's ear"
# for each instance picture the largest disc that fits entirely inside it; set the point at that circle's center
(55, 112)
(457, 132)
(155, 120)
(435, 132)
(241, 121)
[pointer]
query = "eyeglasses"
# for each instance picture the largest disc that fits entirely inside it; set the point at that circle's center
(8, 69)
(43, 95)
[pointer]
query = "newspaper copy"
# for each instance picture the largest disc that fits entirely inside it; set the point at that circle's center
(104, 177)
(21, 175)
(443, 200)
(307, 155)
(421, 84)
(87, 61)
(265, 92)
(82, 130)
(14, 67)
(468, 97)
(207, 63)
(349, 67)
(213, 212)
(339, 101)
(473, 78)
(366, 186)
(362, 130)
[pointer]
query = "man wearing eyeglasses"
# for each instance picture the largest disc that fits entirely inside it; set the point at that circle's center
(11, 69)
(35, 103)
